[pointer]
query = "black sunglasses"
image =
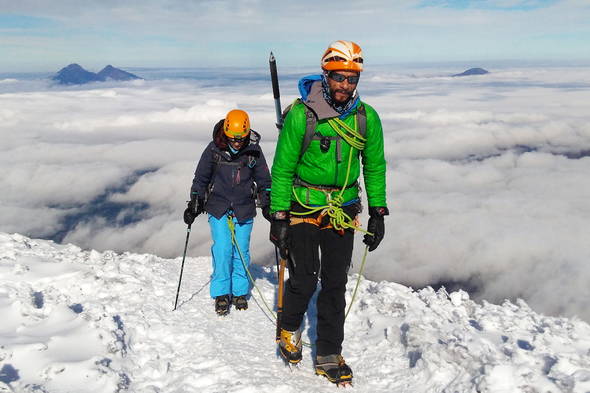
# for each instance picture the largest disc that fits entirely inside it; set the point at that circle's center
(236, 139)
(353, 79)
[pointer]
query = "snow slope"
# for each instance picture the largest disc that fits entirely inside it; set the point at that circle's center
(84, 321)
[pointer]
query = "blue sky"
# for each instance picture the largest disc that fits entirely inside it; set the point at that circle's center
(508, 5)
(42, 36)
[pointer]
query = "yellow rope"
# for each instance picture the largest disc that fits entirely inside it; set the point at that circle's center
(232, 229)
(350, 135)
(333, 209)
(358, 281)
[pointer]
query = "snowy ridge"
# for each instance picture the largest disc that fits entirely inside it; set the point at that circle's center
(84, 321)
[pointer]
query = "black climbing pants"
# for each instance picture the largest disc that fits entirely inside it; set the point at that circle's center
(307, 242)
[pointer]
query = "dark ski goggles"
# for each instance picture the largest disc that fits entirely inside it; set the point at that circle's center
(353, 79)
(236, 139)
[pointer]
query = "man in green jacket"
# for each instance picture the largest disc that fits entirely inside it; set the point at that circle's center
(315, 200)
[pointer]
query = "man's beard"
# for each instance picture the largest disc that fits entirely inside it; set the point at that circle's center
(340, 107)
(347, 93)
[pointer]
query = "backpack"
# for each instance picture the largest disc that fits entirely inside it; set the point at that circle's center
(311, 122)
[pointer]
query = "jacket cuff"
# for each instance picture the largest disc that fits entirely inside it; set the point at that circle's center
(378, 211)
(280, 215)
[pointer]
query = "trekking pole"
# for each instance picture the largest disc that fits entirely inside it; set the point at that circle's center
(280, 297)
(188, 232)
(274, 77)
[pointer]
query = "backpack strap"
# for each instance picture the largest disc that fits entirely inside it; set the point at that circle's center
(362, 120)
(216, 162)
(310, 124)
(251, 161)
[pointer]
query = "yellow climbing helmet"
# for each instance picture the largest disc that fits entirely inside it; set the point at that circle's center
(236, 124)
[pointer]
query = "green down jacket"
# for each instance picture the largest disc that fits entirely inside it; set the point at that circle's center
(324, 168)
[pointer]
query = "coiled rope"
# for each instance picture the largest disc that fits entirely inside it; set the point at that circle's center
(333, 207)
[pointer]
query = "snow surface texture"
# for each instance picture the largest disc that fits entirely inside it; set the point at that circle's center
(86, 321)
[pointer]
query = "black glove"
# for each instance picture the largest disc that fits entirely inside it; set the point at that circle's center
(376, 226)
(195, 207)
(279, 231)
(263, 201)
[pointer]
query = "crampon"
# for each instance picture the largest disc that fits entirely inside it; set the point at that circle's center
(335, 369)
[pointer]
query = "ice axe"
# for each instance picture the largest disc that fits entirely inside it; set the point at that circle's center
(272, 62)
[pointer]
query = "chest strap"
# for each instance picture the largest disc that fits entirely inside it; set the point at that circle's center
(297, 182)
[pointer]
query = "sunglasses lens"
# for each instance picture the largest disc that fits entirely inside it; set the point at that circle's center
(337, 77)
(353, 79)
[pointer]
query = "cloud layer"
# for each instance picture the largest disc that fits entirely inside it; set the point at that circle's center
(487, 180)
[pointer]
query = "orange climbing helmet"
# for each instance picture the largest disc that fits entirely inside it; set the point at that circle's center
(343, 56)
(236, 124)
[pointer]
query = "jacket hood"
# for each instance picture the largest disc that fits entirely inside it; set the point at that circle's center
(305, 85)
(254, 137)
(217, 128)
(310, 88)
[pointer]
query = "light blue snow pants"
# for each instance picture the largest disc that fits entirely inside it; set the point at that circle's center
(229, 276)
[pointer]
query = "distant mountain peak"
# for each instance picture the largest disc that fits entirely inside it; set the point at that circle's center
(473, 71)
(73, 66)
(74, 74)
(110, 72)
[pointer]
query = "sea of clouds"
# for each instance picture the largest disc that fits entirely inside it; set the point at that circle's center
(487, 175)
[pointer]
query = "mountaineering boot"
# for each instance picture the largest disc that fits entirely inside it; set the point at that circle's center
(290, 346)
(334, 368)
(240, 302)
(222, 305)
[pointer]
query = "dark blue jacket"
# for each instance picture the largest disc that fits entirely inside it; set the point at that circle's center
(232, 181)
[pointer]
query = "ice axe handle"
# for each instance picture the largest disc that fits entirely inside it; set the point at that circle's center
(281, 290)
